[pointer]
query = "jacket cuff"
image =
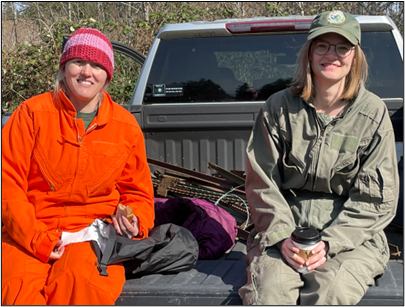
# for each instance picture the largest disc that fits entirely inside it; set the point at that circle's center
(47, 245)
(334, 247)
(266, 239)
(143, 232)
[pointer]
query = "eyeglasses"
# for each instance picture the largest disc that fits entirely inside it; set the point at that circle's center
(342, 49)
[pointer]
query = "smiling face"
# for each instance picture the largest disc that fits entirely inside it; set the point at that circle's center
(330, 68)
(84, 81)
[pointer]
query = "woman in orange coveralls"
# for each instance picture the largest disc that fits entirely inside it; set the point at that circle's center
(70, 157)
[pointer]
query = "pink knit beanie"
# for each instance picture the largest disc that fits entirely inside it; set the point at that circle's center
(90, 45)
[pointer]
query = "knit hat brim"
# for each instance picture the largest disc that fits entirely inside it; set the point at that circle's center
(90, 45)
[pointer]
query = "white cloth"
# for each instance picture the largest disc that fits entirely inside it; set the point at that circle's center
(98, 231)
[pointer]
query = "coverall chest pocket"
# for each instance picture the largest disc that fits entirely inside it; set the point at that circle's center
(292, 163)
(106, 163)
(347, 170)
(348, 149)
(42, 175)
(294, 174)
(38, 179)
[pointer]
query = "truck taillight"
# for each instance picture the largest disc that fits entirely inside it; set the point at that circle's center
(269, 26)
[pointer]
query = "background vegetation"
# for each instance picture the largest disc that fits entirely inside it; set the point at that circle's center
(32, 34)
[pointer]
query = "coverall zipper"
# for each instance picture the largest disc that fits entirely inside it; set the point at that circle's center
(79, 139)
(322, 132)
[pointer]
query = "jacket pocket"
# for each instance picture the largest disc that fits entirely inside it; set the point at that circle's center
(348, 161)
(292, 165)
(387, 185)
(106, 185)
(378, 245)
(350, 169)
(106, 163)
(376, 194)
(39, 177)
(342, 179)
(346, 168)
(293, 169)
(347, 277)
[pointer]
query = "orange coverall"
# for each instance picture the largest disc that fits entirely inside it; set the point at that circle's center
(58, 177)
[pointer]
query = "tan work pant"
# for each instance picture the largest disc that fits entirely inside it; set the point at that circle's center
(71, 280)
(342, 280)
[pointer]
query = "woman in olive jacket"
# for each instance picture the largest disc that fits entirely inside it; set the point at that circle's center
(321, 155)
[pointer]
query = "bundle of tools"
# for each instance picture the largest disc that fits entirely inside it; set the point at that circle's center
(223, 188)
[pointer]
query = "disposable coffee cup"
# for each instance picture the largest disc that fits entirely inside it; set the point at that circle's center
(306, 239)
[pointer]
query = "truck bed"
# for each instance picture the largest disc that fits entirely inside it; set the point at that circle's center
(216, 282)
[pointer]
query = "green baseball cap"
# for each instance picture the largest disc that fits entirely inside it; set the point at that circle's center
(336, 22)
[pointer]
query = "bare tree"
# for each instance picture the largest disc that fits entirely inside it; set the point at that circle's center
(78, 11)
(301, 8)
(15, 21)
(100, 11)
(129, 13)
(373, 9)
(359, 8)
(241, 8)
(145, 11)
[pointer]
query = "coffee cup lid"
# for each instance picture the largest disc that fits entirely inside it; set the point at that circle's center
(306, 235)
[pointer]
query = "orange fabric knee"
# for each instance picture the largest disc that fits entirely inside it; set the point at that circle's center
(71, 280)
(23, 275)
(75, 280)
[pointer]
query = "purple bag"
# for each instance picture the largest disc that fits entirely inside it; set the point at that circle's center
(214, 228)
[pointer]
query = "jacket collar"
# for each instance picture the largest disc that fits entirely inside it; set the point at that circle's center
(353, 101)
(105, 111)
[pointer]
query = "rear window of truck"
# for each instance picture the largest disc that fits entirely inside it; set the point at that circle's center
(244, 68)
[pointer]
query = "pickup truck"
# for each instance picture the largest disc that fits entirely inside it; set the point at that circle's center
(196, 99)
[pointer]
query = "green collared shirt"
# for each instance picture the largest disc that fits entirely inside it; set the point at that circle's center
(87, 117)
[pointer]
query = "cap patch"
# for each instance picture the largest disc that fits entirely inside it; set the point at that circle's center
(336, 17)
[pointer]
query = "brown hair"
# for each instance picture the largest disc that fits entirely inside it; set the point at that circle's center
(302, 84)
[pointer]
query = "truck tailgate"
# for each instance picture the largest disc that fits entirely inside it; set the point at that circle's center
(216, 282)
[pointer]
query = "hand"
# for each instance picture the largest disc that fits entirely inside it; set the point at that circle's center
(290, 254)
(290, 251)
(319, 256)
(57, 251)
(124, 227)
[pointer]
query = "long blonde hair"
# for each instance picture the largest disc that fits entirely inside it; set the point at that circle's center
(59, 81)
(302, 84)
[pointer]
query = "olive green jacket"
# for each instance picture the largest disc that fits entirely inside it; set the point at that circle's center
(339, 177)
